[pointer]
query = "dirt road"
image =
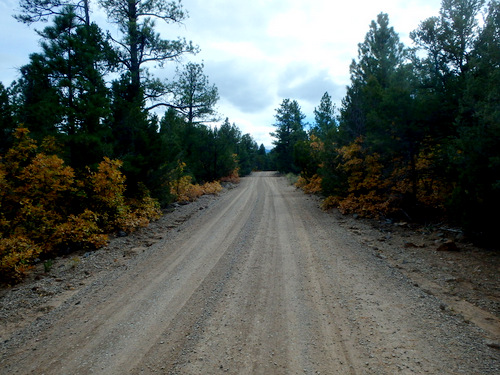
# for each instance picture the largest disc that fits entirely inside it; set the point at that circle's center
(261, 282)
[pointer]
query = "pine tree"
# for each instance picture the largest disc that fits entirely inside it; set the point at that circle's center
(74, 58)
(141, 45)
(289, 130)
(324, 117)
(381, 58)
(7, 124)
(474, 160)
(42, 10)
(194, 97)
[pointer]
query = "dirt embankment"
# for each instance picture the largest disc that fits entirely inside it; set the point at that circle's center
(259, 281)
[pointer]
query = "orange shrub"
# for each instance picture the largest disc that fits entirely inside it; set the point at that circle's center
(192, 193)
(179, 182)
(310, 185)
(39, 206)
(142, 211)
(23, 150)
(367, 186)
(45, 180)
(182, 189)
(188, 192)
(432, 191)
(146, 207)
(108, 201)
(373, 191)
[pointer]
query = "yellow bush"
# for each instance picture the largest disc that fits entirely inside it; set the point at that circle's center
(371, 204)
(431, 191)
(24, 149)
(211, 188)
(106, 198)
(147, 207)
(45, 179)
(16, 257)
(192, 193)
(182, 188)
(141, 214)
(81, 229)
(39, 206)
(187, 192)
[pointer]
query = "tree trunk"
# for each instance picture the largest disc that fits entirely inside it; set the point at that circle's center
(135, 87)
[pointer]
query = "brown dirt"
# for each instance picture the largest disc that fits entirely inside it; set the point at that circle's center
(259, 281)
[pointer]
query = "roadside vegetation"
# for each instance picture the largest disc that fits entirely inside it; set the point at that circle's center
(84, 151)
(417, 136)
(91, 142)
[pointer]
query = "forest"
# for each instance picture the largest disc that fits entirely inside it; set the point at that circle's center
(417, 135)
(85, 153)
(83, 149)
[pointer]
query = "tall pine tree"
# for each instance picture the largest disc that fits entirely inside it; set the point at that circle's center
(289, 130)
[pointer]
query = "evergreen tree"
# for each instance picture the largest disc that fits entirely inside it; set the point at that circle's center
(141, 45)
(7, 124)
(137, 139)
(247, 154)
(194, 97)
(72, 64)
(262, 162)
(324, 117)
(475, 151)
(381, 58)
(225, 143)
(172, 127)
(289, 130)
(42, 10)
(447, 41)
(379, 119)
(36, 100)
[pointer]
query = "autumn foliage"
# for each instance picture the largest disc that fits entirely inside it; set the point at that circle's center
(369, 190)
(374, 187)
(182, 188)
(310, 185)
(44, 208)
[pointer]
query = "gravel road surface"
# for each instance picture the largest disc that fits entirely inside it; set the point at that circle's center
(260, 282)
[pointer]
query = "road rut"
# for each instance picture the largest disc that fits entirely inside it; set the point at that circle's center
(262, 282)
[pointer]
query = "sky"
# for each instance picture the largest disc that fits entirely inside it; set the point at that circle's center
(257, 52)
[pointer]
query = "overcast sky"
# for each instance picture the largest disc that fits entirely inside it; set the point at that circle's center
(257, 52)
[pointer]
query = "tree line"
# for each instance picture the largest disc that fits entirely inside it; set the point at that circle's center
(417, 136)
(83, 148)
(96, 95)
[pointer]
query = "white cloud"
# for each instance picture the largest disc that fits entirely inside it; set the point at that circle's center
(294, 49)
(244, 86)
(302, 82)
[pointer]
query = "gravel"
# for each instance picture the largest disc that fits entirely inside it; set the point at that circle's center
(260, 280)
